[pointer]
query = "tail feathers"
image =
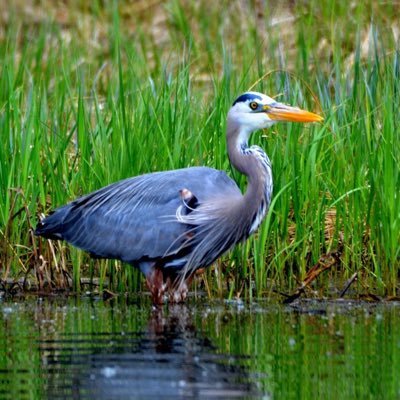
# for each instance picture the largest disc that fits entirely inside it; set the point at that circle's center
(51, 227)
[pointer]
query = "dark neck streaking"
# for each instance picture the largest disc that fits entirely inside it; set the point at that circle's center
(254, 163)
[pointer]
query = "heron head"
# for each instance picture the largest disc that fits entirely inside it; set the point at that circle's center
(253, 110)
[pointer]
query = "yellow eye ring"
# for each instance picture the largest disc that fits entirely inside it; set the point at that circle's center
(253, 105)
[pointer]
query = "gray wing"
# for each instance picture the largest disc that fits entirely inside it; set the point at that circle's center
(135, 219)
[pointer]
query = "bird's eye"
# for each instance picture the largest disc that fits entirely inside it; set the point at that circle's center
(253, 105)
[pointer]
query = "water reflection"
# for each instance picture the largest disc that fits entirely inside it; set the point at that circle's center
(86, 348)
(169, 359)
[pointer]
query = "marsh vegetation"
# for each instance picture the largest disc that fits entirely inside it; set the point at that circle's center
(91, 94)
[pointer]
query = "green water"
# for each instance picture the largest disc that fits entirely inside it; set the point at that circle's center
(88, 348)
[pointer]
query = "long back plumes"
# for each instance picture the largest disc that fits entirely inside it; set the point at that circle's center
(221, 223)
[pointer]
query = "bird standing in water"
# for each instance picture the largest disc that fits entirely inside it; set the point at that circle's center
(171, 223)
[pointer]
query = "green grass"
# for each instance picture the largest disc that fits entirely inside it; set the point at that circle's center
(114, 93)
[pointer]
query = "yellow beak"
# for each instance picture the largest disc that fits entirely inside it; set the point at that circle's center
(282, 112)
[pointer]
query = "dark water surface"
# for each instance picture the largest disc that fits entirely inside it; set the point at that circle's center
(73, 348)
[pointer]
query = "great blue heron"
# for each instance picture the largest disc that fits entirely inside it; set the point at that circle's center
(169, 224)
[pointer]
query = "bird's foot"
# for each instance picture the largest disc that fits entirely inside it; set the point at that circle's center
(179, 294)
(176, 286)
(179, 289)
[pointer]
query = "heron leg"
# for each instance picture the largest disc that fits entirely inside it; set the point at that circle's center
(155, 283)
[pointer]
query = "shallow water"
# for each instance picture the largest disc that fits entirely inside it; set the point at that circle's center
(120, 349)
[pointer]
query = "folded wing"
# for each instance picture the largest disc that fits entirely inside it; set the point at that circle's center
(135, 219)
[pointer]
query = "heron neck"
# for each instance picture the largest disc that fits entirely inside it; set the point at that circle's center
(254, 163)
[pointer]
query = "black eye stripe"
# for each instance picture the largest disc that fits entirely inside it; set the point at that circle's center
(245, 97)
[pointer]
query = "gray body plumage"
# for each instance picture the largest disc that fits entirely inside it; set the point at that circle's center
(135, 220)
